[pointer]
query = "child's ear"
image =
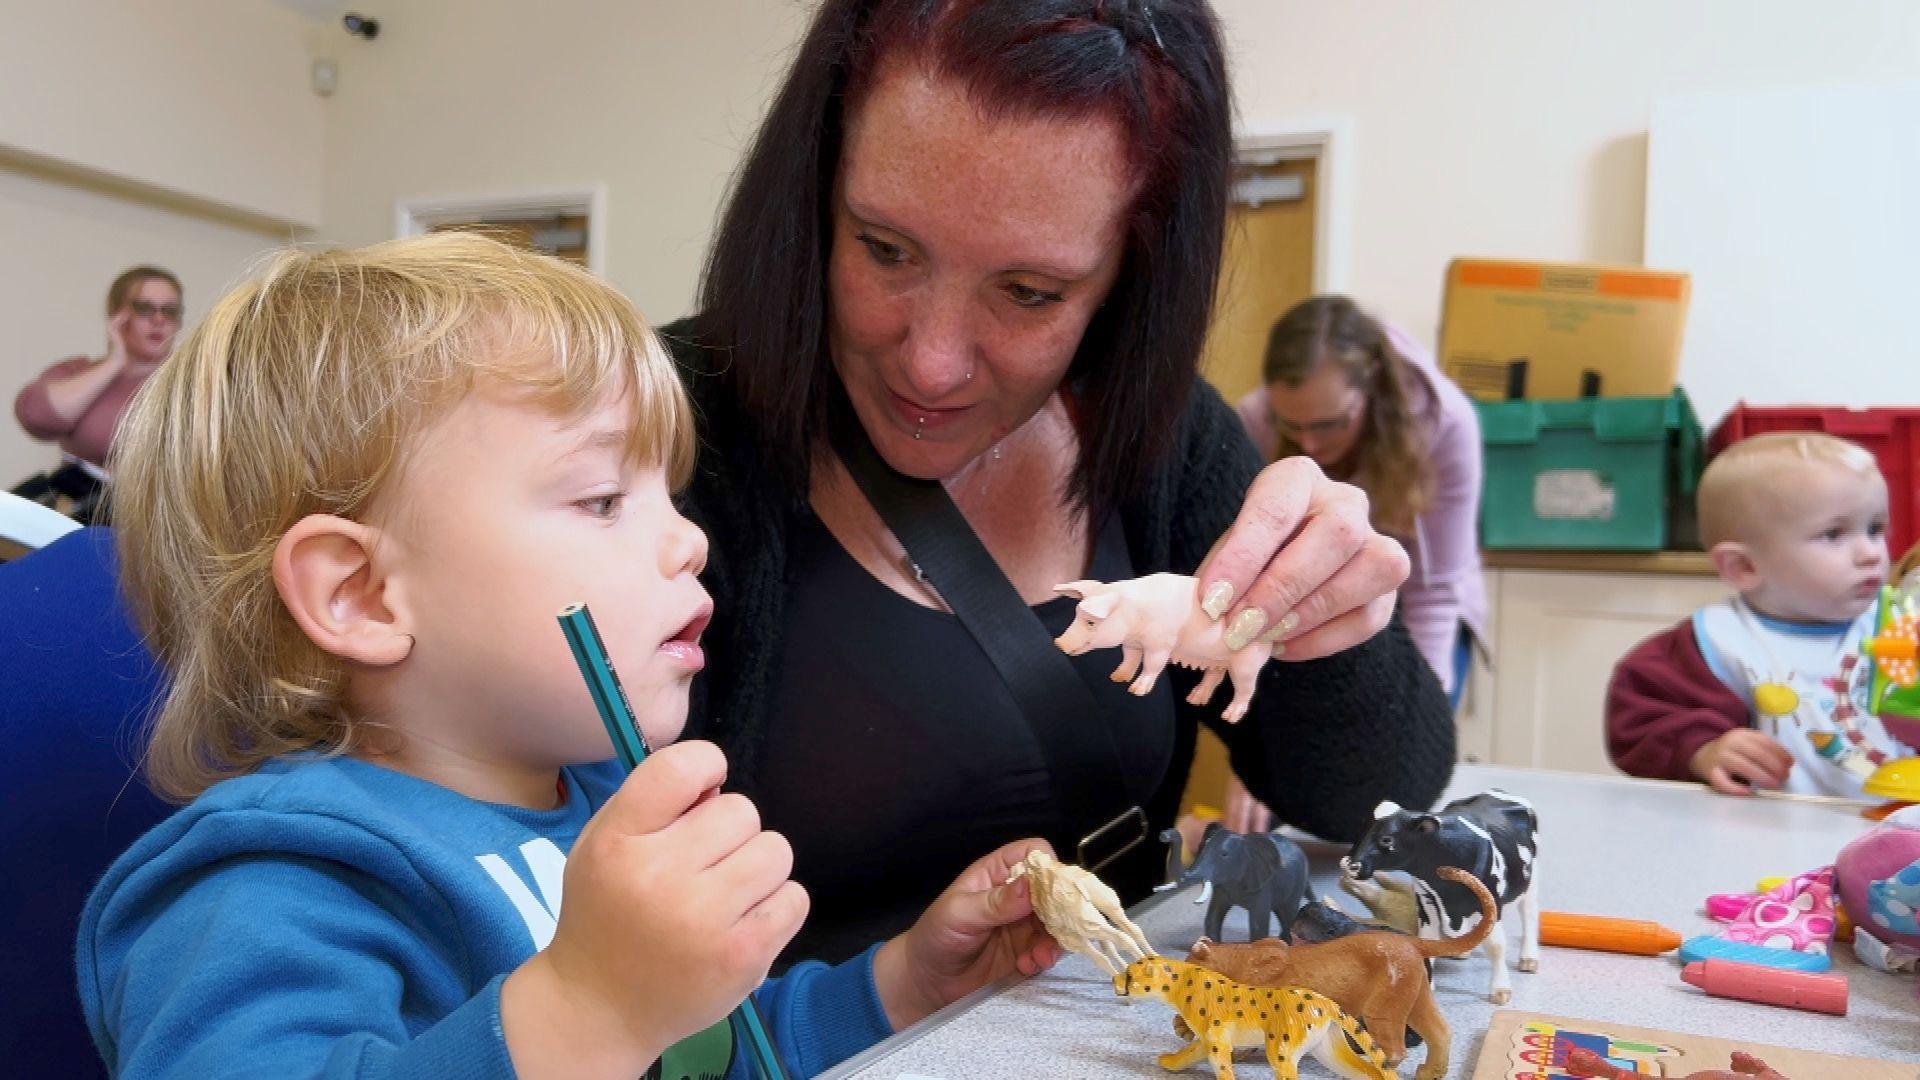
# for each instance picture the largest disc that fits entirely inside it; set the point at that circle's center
(1734, 563)
(325, 573)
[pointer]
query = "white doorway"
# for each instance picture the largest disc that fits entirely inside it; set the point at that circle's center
(570, 223)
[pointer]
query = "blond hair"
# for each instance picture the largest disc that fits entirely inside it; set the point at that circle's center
(1743, 486)
(300, 394)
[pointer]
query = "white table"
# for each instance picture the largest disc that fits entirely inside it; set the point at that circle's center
(1609, 846)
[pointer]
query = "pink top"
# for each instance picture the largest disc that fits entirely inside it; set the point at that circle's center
(89, 437)
(1445, 587)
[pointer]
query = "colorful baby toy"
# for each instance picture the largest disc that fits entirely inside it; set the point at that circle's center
(1878, 877)
(1891, 672)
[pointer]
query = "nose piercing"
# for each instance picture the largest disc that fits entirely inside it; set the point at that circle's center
(969, 374)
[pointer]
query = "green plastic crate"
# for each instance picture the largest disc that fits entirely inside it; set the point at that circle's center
(1597, 474)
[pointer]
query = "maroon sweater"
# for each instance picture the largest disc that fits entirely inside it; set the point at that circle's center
(1664, 703)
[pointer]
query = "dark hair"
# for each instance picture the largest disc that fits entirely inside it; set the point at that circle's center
(131, 279)
(1390, 457)
(1156, 66)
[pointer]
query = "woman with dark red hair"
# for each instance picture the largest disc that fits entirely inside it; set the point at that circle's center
(945, 358)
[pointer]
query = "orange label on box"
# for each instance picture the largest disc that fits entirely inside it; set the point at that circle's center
(1562, 330)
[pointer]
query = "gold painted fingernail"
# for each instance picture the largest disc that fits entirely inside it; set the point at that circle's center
(1245, 625)
(1218, 599)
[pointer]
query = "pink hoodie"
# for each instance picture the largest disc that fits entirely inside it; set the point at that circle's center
(1445, 587)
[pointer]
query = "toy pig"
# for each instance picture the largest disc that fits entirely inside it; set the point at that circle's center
(1266, 873)
(1155, 620)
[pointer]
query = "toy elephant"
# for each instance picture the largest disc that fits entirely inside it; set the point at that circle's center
(1266, 873)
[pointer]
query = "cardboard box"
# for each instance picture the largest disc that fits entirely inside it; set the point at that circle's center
(1548, 331)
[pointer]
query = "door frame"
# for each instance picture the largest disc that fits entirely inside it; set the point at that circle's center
(1328, 140)
(417, 215)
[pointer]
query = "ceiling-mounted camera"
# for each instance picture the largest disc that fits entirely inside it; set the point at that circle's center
(361, 26)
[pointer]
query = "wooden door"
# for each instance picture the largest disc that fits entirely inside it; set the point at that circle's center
(561, 235)
(1267, 268)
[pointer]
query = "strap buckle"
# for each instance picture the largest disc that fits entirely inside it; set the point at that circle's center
(1131, 816)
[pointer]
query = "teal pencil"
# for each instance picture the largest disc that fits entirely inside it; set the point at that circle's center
(610, 698)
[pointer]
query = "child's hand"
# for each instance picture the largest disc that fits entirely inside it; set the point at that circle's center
(976, 932)
(676, 905)
(1741, 760)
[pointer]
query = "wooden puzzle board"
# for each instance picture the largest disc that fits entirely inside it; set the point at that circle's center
(1527, 1046)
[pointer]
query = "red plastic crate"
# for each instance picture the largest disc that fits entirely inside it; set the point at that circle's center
(1892, 434)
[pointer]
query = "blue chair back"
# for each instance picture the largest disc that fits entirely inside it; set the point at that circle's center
(76, 686)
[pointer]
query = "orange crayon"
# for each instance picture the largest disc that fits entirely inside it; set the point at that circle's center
(1604, 934)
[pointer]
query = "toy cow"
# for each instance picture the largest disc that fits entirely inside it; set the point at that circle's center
(1266, 873)
(1155, 620)
(1491, 835)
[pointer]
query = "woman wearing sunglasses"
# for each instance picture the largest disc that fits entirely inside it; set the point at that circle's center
(1368, 405)
(78, 402)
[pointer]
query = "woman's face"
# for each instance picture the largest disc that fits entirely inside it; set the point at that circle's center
(153, 318)
(1322, 415)
(968, 254)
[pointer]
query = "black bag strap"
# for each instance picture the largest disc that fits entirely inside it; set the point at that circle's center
(1067, 722)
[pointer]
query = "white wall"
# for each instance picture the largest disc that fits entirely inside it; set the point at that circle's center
(1518, 129)
(65, 239)
(654, 99)
(1796, 210)
(202, 98)
(1486, 127)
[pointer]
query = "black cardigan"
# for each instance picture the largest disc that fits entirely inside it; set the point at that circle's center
(1325, 741)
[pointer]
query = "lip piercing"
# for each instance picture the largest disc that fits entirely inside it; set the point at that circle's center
(918, 426)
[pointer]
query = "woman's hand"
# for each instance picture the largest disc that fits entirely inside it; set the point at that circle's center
(1302, 567)
(1244, 813)
(116, 357)
(978, 931)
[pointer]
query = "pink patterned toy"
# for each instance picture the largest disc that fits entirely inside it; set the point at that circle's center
(1796, 914)
(1154, 620)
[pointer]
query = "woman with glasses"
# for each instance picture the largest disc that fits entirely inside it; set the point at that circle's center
(1368, 405)
(78, 402)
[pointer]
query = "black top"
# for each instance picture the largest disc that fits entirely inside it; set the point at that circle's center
(933, 763)
(1325, 741)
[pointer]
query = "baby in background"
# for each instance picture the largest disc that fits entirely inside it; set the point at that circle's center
(1749, 693)
(350, 506)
